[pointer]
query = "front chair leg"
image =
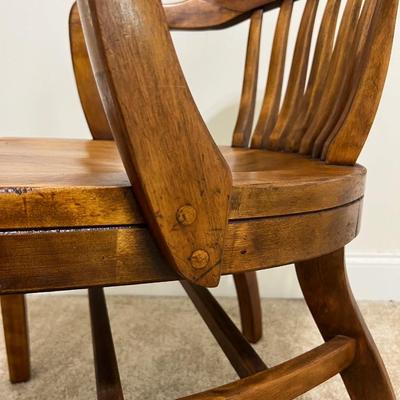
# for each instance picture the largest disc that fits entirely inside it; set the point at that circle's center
(249, 305)
(15, 324)
(329, 297)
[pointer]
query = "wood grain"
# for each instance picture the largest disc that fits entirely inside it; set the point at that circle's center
(85, 82)
(317, 77)
(349, 141)
(250, 305)
(156, 142)
(239, 352)
(16, 335)
(244, 123)
(328, 294)
(105, 361)
(83, 183)
(290, 379)
(110, 256)
(297, 79)
(273, 91)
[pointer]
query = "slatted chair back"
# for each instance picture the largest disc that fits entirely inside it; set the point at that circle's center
(326, 111)
(320, 112)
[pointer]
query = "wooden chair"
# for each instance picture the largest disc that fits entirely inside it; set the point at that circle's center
(186, 209)
(14, 308)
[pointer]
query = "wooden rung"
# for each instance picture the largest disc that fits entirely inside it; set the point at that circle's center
(290, 379)
(241, 355)
(106, 367)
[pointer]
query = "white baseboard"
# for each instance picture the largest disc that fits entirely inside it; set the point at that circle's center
(372, 276)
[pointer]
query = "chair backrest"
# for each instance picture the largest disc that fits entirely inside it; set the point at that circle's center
(326, 112)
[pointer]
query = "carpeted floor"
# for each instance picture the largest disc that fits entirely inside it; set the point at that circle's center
(164, 349)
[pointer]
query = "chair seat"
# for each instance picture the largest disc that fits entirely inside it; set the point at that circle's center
(53, 183)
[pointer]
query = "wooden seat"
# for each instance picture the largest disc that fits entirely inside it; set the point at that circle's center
(72, 175)
(179, 208)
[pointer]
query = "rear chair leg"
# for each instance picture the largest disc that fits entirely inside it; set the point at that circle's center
(16, 334)
(249, 305)
(329, 297)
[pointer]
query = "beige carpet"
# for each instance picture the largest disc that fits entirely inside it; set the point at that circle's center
(164, 349)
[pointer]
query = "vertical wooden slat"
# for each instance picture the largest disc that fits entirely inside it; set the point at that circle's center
(335, 82)
(244, 124)
(349, 78)
(85, 82)
(270, 108)
(297, 78)
(348, 143)
(106, 367)
(360, 55)
(319, 71)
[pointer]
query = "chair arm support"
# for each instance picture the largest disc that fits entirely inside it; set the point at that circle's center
(178, 175)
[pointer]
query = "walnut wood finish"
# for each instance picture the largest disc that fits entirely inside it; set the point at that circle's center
(270, 107)
(327, 292)
(97, 121)
(250, 305)
(106, 367)
(239, 352)
(297, 78)
(76, 207)
(83, 183)
(244, 123)
(156, 146)
(85, 81)
(16, 334)
(290, 379)
(209, 14)
(125, 255)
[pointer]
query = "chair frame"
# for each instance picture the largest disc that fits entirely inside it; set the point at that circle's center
(195, 215)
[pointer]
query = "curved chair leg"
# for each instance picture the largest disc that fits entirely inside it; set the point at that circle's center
(329, 297)
(16, 334)
(249, 305)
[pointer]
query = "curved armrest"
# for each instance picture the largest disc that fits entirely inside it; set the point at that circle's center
(178, 175)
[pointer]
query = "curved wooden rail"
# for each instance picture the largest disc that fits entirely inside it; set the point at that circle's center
(212, 14)
(126, 255)
(290, 379)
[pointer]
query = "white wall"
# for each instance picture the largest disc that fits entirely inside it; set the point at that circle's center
(38, 98)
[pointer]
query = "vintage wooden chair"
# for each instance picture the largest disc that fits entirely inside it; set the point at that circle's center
(73, 220)
(13, 307)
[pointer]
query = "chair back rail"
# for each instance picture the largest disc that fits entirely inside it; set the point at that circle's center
(178, 175)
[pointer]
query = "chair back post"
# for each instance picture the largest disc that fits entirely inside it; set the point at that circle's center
(178, 175)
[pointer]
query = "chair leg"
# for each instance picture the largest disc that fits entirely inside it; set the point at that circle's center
(329, 297)
(249, 305)
(108, 382)
(16, 334)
